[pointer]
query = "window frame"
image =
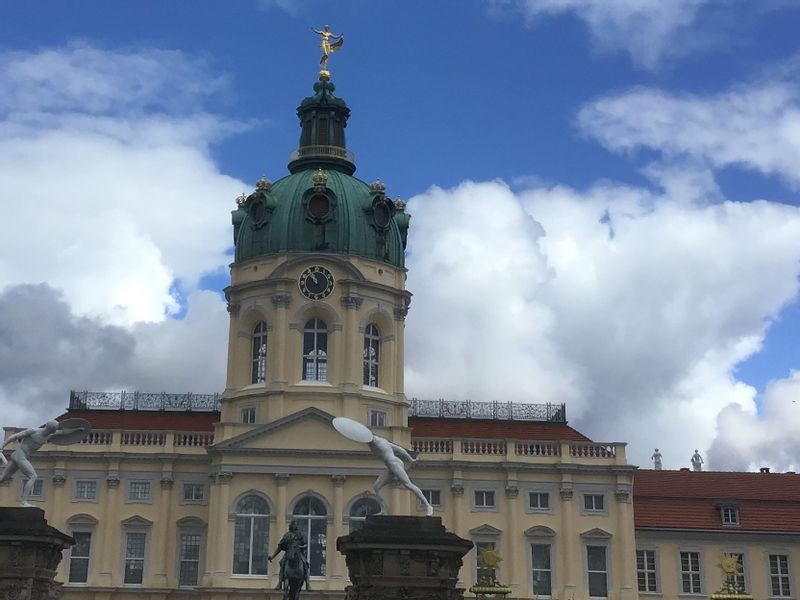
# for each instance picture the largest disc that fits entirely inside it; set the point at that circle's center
(131, 500)
(539, 509)
(655, 572)
(549, 542)
(258, 359)
(729, 509)
(743, 577)
(309, 541)
(596, 543)
(76, 498)
(267, 517)
(248, 410)
(371, 364)
(700, 572)
(195, 484)
(351, 518)
(484, 507)
(80, 530)
(479, 541)
(40, 497)
(603, 510)
(126, 534)
(316, 357)
(787, 554)
(436, 505)
(378, 412)
(189, 531)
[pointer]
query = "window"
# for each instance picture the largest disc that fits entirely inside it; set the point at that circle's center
(85, 490)
(134, 557)
(139, 491)
(315, 350)
(79, 557)
(541, 569)
(434, 497)
(248, 414)
(730, 515)
(484, 575)
(372, 347)
(690, 573)
(189, 569)
(594, 502)
(377, 418)
(646, 570)
(258, 371)
(779, 575)
(38, 488)
(312, 517)
(360, 510)
(597, 571)
(251, 536)
(194, 492)
(739, 578)
(539, 501)
(484, 499)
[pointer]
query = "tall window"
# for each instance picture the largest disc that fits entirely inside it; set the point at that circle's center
(646, 570)
(690, 573)
(597, 571)
(251, 536)
(372, 347)
(484, 575)
(542, 571)
(360, 510)
(135, 542)
(779, 575)
(312, 517)
(741, 583)
(79, 557)
(189, 569)
(315, 350)
(259, 353)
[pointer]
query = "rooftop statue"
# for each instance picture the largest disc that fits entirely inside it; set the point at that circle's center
(294, 566)
(697, 461)
(327, 48)
(656, 458)
(70, 431)
(392, 455)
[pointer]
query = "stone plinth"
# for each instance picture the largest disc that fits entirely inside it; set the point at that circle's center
(403, 558)
(30, 551)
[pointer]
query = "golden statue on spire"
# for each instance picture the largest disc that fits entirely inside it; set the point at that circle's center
(329, 42)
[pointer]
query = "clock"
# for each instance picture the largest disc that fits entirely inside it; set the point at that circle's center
(316, 283)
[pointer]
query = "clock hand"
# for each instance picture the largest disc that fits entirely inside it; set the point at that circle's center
(313, 277)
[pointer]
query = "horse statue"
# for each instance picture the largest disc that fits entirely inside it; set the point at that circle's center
(294, 566)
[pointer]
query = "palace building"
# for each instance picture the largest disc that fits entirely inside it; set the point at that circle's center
(177, 495)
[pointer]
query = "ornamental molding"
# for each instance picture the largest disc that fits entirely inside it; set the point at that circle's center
(166, 483)
(59, 479)
(112, 480)
(338, 480)
(485, 529)
(351, 301)
(400, 313)
(596, 534)
(136, 521)
(282, 479)
(539, 531)
(457, 489)
(622, 493)
(512, 492)
(281, 300)
(236, 442)
(566, 491)
(233, 309)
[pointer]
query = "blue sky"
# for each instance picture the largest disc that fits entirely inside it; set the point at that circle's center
(639, 114)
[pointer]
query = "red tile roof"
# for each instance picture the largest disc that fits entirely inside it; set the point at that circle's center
(515, 430)
(767, 502)
(146, 420)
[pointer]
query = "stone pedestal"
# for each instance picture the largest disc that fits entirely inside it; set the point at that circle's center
(403, 558)
(30, 551)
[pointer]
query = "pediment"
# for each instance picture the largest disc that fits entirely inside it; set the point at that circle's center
(307, 429)
(485, 529)
(136, 521)
(190, 522)
(82, 519)
(540, 531)
(597, 534)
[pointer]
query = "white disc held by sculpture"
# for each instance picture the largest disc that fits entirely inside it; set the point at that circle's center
(352, 430)
(81, 428)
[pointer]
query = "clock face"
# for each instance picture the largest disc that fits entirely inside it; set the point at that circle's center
(316, 283)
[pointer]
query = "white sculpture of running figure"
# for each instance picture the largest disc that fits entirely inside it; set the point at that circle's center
(32, 440)
(656, 458)
(393, 456)
(697, 461)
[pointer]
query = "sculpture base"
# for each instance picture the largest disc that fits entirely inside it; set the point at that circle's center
(30, 551)
(403, 558)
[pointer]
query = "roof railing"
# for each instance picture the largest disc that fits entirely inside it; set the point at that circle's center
(162, 401)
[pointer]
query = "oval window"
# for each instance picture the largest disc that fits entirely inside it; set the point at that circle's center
(319, 206)
(381, 215)
(258, 211)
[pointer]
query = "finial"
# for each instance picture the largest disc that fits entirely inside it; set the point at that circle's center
(377, 187)
(399, 203)
(320, 179)
(263, 184)
(329, 43)
(241, 199)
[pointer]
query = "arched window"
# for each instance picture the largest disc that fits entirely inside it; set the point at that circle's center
(360, 510)
(315, 350)
(251, 536)
(372, 347)
(259, 354)
(312, 518)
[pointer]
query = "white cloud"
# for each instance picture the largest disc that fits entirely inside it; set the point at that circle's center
(107, 186)
(647, 29)
(754, 126)
(631, 306)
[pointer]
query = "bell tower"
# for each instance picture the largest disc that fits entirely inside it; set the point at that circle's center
(317, 299)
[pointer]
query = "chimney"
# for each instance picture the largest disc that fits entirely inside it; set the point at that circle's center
(764, 469)
(684, 468)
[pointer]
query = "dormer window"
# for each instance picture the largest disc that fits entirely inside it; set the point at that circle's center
(730, 516)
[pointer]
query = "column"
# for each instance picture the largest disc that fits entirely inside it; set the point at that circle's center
(511, 552)
(224, 543)
(164, 534)
(569, 550)
(110, 559)
(337, 560)
(352, 361)
(56, 513)
(458, 509)
(627, 543)
(277, 346)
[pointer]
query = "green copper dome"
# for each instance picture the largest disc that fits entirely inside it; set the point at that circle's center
(320, 207)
